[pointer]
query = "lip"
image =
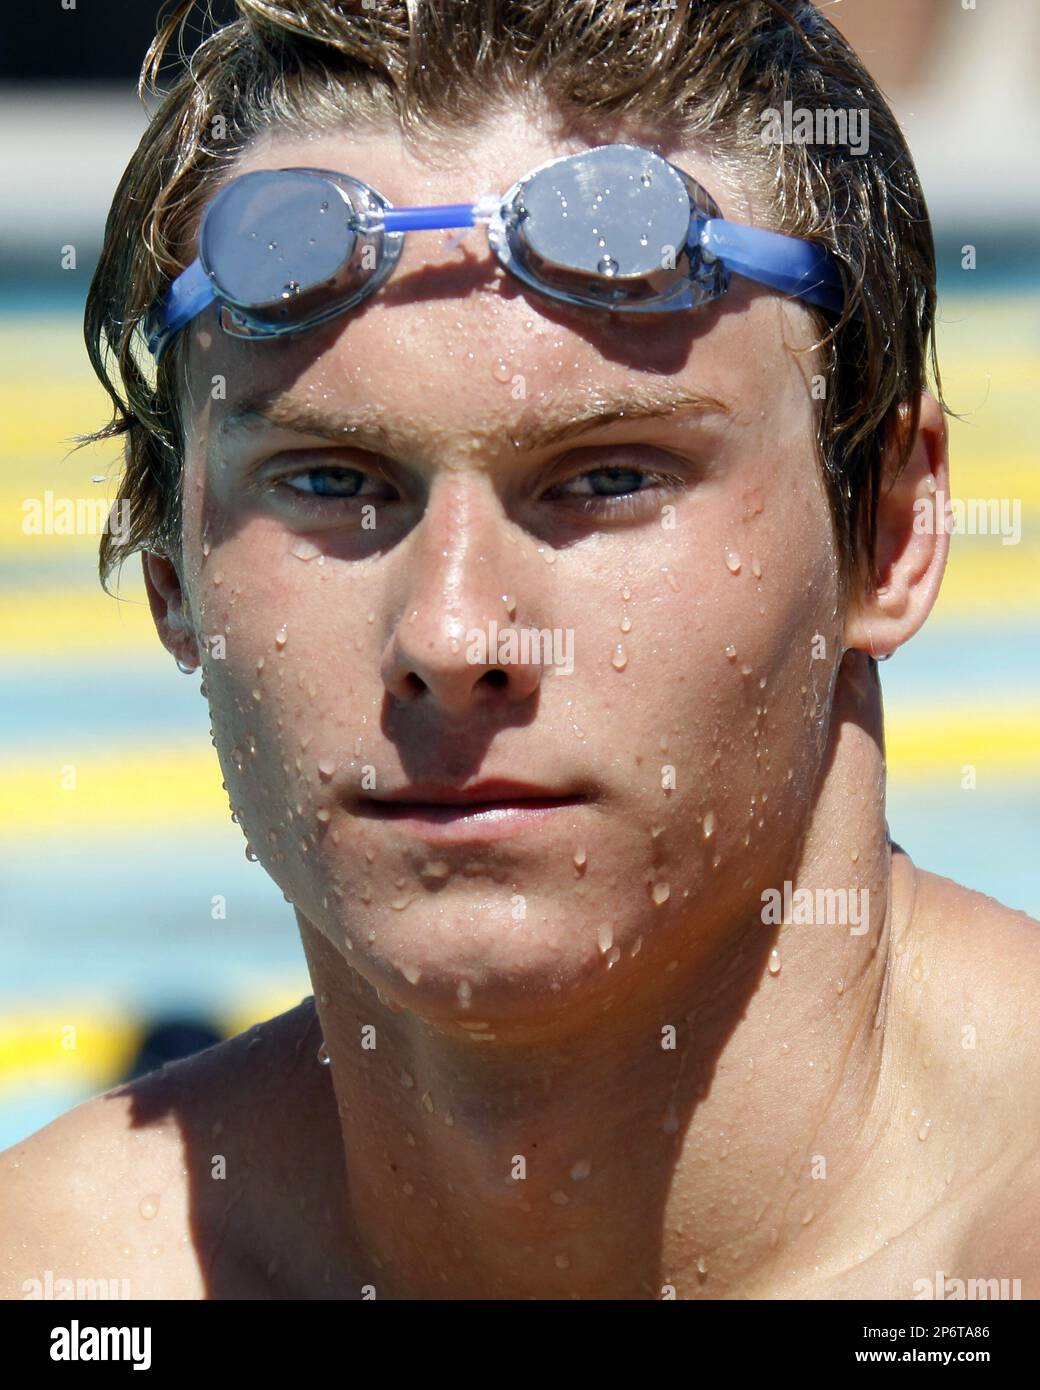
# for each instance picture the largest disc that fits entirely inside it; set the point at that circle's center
(487, 810)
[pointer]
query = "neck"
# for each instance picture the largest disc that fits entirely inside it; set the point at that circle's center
(701, 1129)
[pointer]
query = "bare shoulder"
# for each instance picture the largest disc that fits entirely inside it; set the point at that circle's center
(975, 967)
(983, 958)
(120, 1187)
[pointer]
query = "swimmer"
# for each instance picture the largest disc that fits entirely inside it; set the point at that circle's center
(425, 334)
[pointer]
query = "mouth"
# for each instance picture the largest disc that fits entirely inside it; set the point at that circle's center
(483, 811)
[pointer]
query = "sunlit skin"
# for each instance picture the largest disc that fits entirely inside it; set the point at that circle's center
(521, 983)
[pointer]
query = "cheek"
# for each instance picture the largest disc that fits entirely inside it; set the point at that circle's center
(733, 646)
(281, 665)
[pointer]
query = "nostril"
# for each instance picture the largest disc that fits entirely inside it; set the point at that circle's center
(497, 678)
(416, 685)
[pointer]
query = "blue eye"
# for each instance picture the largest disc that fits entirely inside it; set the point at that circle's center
(328, 482)
(617, 482)
(615, 492)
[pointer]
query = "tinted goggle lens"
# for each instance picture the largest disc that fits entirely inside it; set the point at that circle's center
(615, 225)
(285, 247)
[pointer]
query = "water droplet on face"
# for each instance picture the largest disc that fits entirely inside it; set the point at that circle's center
(250, 855)
(731, 652)
(709, 825)
(407, 1080)
(673, 583)
(605, 938)
(581, 1169)
(326, 768)
(756, 567)
(149, 1206)
(411, 974)
(626, 592)
(562, 1261)
(626, 623)
(281, 637)
(427, 1102)
(305, 550)
(619, 660)
(501, 371)
(841, 985)
(855, 855)
(702, 1266)
(733, 562)
(206, 548)
(323, 1055)
(560, 1198)
(660, 893)
(510, 603)
(464, 993)
(924, 1131)
(917, 970)
(774, 962)
(580, 857)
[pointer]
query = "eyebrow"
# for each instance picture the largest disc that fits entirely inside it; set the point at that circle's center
(368, 426)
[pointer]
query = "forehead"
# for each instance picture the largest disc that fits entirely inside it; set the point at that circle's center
(451, 328)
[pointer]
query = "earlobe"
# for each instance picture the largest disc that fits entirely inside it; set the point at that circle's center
(912, 542)
(169, 611)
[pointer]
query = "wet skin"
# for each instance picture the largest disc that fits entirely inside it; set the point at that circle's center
(520, 972)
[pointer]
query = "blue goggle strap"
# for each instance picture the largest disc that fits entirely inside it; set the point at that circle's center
(189, 294)
(784, 263)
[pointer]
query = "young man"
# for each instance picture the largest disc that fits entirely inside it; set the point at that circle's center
(620, 987)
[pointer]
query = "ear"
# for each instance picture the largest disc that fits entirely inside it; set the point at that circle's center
(912, 541)
(169, 610)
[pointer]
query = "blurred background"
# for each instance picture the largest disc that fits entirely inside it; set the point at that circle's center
(132, 927)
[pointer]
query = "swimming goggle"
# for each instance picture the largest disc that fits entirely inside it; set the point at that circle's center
(614, 227)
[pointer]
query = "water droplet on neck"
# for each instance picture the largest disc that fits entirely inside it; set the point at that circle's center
(281, 637)
(774, 962)
(619, 660)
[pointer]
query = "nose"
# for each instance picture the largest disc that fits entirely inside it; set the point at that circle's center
(464, 569)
